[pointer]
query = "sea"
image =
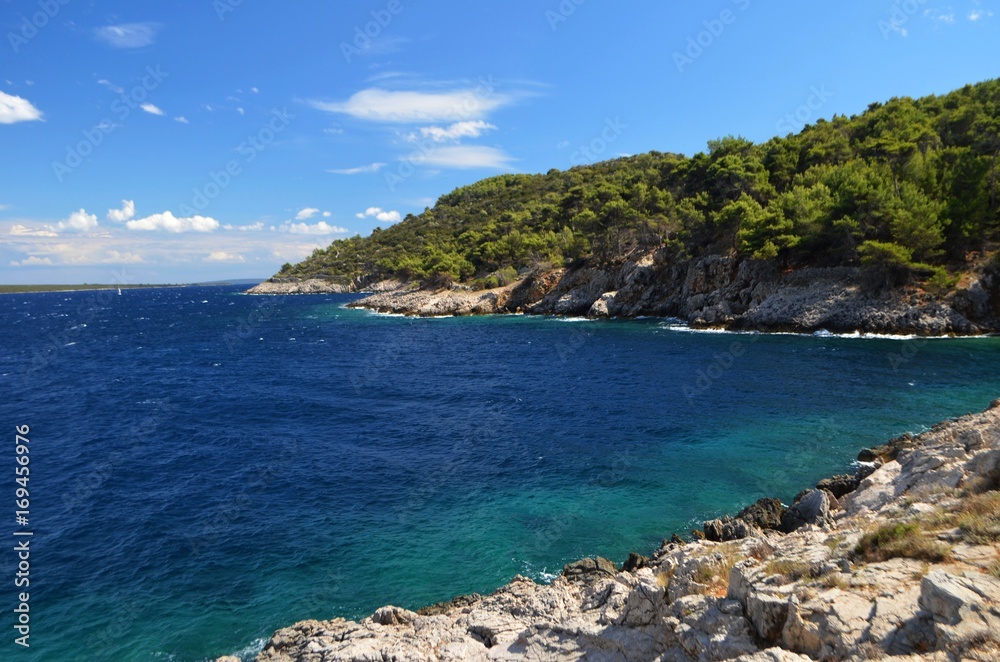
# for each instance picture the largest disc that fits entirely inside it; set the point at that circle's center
(207, 467)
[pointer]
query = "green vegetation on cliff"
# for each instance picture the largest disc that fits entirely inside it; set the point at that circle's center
(909, 186)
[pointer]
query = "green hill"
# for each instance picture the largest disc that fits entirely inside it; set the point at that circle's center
(908, 185)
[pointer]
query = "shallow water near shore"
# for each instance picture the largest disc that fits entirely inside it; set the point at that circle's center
(207, 467)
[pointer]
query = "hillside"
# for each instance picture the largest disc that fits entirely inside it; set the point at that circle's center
(908, 187)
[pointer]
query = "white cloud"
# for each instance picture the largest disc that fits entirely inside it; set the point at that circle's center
(254, 90)
(306, 213)
(381, 215)
(151, 109)
(253, 227)
(223, 256)
(170, 223)
(127, 35)
(111, 86)
(379, 105)
(374, 167)
(23, 231)
(181, 119)
(78, 221)
(333, 131)
(467, 156)
(125, 213)
(321, 228)
(453, 133)
(32, 261)
(15, 109)
(977, 14)
(327, 214)
(241, 111)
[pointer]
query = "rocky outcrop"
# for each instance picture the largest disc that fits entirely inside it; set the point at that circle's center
(322, 286)
(724, 292)
(310, 286)
(811, 594)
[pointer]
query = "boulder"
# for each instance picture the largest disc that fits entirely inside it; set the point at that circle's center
(813, 508)
(634, 562)
(960, 607)
(600, 307)
(764, 513)
(390, 615)
(727, 528)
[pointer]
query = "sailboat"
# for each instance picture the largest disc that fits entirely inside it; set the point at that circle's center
(119, 291)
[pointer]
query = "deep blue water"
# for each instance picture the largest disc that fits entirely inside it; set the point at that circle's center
(207, 467)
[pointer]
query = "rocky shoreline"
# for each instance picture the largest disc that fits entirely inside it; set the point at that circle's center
(712, 292)
(899, 561)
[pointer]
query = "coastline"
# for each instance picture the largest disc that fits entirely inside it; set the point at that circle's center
(771, 583)
(711, 293)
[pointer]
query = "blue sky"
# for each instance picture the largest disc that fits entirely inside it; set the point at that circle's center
(186, 141)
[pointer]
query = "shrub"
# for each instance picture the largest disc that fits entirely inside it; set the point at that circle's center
(979, 518)
(900, 540)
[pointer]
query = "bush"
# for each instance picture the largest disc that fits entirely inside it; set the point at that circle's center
(941, 281)
(979, 518)
(900, 540)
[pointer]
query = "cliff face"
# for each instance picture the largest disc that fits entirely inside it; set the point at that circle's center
(725, 292)
(900, 559)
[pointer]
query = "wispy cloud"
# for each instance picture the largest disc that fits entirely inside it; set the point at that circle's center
(151, 109)
(453, 133)
(111, 86)
(19, 230)
(321, 228)
(467, 157)
(380, 46)
(378, 105)
(224, 256)
(127, 35)
(14, 109)
(937, 15)
(374, 167)
(977, 14)
(181, 119)
(253, 227)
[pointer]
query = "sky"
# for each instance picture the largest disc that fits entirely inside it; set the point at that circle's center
(189, 141)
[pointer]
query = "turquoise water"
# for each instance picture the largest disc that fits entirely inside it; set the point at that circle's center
(208, 467)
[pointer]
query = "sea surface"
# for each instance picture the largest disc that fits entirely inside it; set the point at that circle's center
(206, 466)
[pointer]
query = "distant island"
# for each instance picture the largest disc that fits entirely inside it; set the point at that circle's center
(21, 289)
(884, 222)
(83, 287)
